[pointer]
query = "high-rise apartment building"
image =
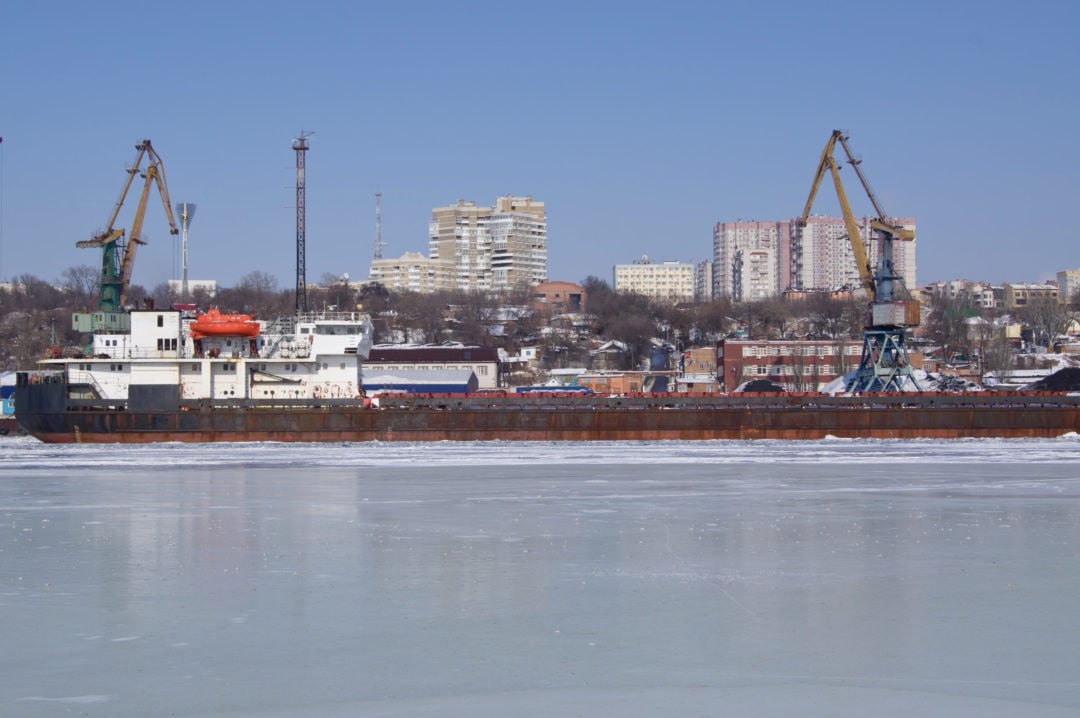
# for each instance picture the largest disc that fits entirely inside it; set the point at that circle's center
(754, 260)
(703, 281)
(750, 259)
(492, 248)
(668, 281)
(821, 255)
(413, 272)
(903, 252)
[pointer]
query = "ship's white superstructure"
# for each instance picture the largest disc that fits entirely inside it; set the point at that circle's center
(310, 356)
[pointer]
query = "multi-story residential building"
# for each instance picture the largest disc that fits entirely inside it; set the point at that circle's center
(1021, 295)
(492, 248)
(754, 260)
(750, 259)
(903, 252)
(518, 228)
(988, 296)
(703, 281)
(982, 294)
(1068, 285)
(669, 281)
(413, 272)
(822, 257)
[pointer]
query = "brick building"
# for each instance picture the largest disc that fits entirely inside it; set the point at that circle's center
(794, 365)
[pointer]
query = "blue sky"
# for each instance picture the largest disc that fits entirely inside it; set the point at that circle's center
(639, 124)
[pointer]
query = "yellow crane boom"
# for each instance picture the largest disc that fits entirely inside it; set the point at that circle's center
(118, 257)
(827, 163)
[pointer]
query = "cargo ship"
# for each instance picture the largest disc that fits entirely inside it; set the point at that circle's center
(219, 377)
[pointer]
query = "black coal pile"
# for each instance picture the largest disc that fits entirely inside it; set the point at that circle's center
(1067, 379)
(761, 385)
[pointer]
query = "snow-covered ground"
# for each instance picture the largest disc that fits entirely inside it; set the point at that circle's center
(832, 578)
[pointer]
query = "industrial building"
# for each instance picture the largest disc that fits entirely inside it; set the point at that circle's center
(393, 360)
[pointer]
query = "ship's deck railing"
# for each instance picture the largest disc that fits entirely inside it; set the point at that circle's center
(128, 353)
(85, 377)
(308, 317)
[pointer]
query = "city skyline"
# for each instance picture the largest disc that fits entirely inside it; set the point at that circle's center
(641, 129)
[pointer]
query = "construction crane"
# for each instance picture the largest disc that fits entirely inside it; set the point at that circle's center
(884, 364)
(118, 247)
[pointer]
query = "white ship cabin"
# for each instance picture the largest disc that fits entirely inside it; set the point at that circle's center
(316, 355)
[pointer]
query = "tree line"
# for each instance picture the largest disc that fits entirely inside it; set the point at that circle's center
(36, 315)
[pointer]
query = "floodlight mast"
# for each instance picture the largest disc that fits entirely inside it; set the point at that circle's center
(300, 146)
(186, 212)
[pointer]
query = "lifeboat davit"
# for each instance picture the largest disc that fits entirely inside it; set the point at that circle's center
(216, 324)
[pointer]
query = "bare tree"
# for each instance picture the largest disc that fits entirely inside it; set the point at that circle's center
(832, 318)
(776, 314)
(997, 355)
(82, 284)
(473, 313)
(1047, 317)
(947, 325)
(422, 316)
(712, 319)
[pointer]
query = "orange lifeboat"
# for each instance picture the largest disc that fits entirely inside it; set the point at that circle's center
(216, 324)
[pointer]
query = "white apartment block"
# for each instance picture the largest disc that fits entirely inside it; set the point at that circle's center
(1068, 282)
(749, 259)
(492, 248)
(413, 272)
(667, 281)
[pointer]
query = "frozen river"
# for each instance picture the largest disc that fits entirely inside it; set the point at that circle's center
(836, 578)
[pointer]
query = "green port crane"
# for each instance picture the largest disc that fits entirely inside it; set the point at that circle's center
(884, 364)
(118, 250)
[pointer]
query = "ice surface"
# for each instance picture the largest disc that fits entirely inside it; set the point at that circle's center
(839, 578)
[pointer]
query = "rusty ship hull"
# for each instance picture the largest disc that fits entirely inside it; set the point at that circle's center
(56, 419)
